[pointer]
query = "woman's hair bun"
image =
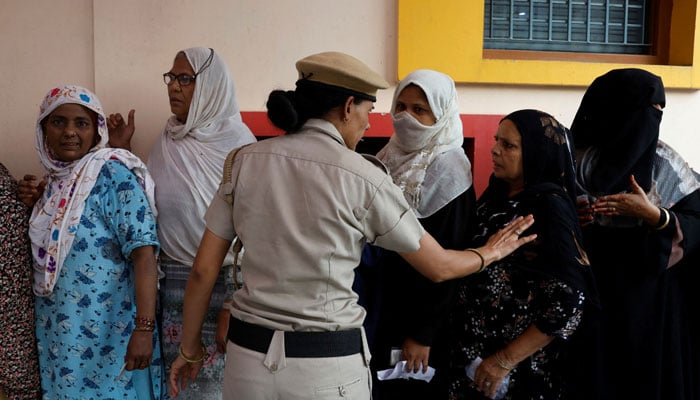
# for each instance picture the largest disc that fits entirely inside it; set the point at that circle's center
(282, 111)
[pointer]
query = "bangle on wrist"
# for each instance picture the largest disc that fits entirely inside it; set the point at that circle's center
(144, 324)
(481, 257)
(501, 362)
(664, 219)
(191, 360)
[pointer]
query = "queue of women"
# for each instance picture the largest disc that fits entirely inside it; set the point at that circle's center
(571, 277)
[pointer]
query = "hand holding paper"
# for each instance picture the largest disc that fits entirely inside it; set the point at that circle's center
(399, 372)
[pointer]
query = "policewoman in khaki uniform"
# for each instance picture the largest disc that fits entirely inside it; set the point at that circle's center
(304, 204)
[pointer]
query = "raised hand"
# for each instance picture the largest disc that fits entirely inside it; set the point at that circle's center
(120, 132)
(635, 204)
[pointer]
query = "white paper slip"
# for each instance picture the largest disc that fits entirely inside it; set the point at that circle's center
(399, 372)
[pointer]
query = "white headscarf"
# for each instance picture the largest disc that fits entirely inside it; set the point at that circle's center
(56, 215)
(187, 160)
(422, 159)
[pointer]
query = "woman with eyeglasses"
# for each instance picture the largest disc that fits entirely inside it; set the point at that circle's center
(186, 164)
(304, 204)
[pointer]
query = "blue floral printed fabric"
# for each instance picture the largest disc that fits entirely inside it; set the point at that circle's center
(83, 328)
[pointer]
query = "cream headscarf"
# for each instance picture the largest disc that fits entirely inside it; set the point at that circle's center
(187, 160)
(428, 162)
(56, 215)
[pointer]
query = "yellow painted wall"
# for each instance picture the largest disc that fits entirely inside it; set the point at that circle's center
(448, 35)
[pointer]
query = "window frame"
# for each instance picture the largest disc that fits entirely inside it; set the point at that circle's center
(447, 35)
(554, 24)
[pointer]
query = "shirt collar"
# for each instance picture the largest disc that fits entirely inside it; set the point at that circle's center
(325, 127)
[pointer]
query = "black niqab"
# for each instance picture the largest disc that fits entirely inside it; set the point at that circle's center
(619, 126)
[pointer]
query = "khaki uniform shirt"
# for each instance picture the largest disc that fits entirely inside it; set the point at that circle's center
(304, 205)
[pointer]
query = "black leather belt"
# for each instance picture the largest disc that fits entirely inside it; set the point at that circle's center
(297, 344)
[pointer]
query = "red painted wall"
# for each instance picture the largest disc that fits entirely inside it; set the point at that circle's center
(478, 133)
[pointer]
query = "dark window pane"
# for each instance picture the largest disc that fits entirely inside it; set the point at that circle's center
(597, 26)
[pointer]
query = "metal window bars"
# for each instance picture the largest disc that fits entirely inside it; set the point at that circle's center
(588, 26)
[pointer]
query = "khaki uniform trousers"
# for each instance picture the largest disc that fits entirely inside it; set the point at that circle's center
(250, 375)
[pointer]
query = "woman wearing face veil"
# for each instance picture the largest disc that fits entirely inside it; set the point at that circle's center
(641, 218)
(426, 160)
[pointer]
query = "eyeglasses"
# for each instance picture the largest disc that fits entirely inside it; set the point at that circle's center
(185, 79)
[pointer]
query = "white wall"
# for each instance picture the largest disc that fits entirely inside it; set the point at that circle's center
(42, 44)
(121, 48)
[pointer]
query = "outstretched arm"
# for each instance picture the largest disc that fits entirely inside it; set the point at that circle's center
(438, 264)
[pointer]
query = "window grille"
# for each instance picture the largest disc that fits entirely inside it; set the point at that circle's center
(584, 26)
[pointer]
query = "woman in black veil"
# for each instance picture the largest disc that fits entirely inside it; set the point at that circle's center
(641, 222)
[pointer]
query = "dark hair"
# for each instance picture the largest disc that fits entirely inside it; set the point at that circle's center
(289, 110)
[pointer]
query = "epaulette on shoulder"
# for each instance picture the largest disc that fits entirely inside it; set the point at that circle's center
(377, 163)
